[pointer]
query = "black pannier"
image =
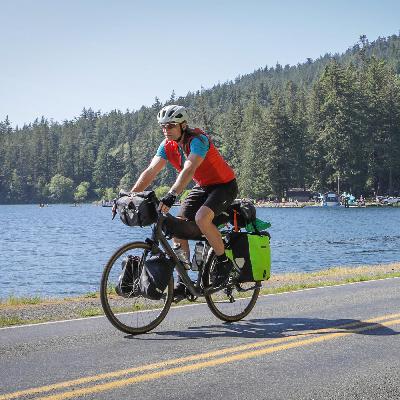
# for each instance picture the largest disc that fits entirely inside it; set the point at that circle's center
(139, 209)
(245, 214)
(130, 274)
(156, 274)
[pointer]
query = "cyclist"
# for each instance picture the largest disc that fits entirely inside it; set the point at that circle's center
(192, 153)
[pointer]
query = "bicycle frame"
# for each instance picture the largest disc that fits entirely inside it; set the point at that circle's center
(166, 227)
(158, 237)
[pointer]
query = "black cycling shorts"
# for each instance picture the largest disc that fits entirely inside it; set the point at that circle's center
(216, 197)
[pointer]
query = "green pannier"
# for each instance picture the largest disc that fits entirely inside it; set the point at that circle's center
(251, 253)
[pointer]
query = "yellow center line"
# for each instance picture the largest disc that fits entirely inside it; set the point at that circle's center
(212, 363)
(196, 357)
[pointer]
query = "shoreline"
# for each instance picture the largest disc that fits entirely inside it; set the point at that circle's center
(289, 204)
(31, 310)
(261, 204)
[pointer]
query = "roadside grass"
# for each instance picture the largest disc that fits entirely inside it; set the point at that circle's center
(91, 295)
(11, 321)
(282, 288)
(91, 312)
(17, 308)
(370, 272)
(95, 311)
(278, 281)
(14, 300)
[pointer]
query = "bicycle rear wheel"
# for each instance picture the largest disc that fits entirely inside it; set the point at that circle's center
(136, 314)
(234, 302)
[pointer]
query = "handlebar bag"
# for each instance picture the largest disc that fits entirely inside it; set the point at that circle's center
(156, 273)
(251, 253)
(138, 210)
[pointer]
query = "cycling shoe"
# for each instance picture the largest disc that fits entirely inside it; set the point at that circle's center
(220, 274)
(180, 292)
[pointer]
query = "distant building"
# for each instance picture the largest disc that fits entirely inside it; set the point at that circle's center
(299, 194)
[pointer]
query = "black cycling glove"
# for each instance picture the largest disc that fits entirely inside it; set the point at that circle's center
(169, 199)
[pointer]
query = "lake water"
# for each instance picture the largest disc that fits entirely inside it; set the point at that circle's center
(60, 250)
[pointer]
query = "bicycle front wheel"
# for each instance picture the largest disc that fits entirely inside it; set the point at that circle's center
(232, 303)
(131, 314)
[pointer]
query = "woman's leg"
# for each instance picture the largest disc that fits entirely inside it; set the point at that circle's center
(188, 210)
(204, 218)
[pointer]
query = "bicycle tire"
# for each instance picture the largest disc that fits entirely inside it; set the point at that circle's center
(108, 297)
(213, 305)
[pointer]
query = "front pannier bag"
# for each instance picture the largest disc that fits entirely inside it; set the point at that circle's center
(156, 273)
(251, 253)
(139, 209)
(129, 274)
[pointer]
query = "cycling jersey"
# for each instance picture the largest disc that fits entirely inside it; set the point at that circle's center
(213, 170)
(198, 146)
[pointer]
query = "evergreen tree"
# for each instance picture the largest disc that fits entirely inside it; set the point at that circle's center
(253, 176)
(337, 124)
(306, 125)
(280, 162)
(382, 124)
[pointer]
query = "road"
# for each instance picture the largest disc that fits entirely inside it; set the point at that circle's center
(339, 342)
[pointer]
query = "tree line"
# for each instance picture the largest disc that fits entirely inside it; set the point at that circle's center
(304, 126)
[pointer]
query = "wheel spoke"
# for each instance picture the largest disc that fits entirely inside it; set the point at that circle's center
(131, 314)
(232, 303)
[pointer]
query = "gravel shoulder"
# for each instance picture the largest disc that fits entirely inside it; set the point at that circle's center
(17, 312)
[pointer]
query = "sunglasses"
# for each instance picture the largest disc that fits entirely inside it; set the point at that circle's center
(168, 126)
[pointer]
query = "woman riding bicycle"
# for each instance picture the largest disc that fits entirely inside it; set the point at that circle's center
(192, 153)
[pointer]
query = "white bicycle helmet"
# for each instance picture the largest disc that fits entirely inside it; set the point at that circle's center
(172, 114)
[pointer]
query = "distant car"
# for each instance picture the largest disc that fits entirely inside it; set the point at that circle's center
(391, 200)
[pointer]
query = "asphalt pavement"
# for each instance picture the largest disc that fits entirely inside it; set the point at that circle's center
(339, 342)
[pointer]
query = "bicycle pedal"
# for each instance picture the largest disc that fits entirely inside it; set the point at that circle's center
(191, 298)
(179, 298)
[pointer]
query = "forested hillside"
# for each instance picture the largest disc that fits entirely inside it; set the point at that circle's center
(279, 127)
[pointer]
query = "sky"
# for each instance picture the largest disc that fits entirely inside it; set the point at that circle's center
(59, 56)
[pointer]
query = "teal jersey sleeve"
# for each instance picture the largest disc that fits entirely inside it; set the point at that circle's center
(161, 150)
(200, 145)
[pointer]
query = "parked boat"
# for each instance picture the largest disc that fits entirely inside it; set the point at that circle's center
(330, 199)
(348, 200)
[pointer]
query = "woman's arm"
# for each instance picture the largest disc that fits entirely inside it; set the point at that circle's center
(148, 175)
(186, 175)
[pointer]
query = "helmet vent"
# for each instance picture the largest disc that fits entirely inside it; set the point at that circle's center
(172, 113)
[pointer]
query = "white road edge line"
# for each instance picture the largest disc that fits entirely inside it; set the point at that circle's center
(195, 304)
